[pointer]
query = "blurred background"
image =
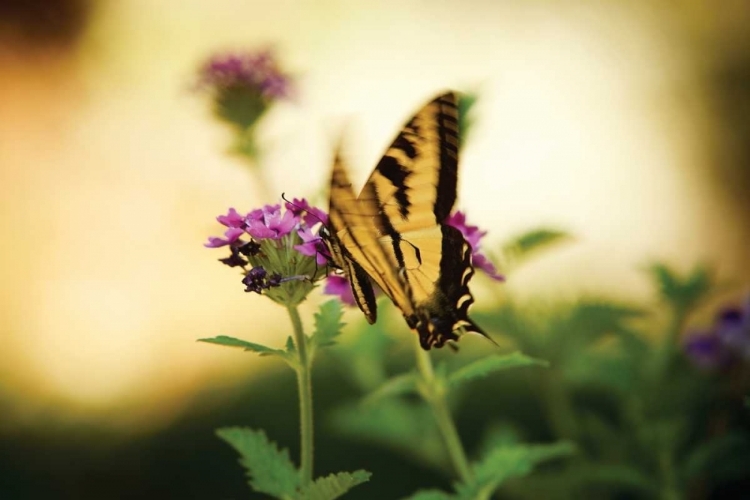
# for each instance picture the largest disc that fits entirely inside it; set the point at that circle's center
(626, 124)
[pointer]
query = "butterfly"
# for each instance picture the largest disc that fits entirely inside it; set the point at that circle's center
(394, 233)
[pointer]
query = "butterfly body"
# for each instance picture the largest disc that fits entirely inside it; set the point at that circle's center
(394, 231)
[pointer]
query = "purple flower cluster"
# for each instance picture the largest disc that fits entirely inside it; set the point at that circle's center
(257, 71)
(273, 232)
(473, 236)
(727, 341)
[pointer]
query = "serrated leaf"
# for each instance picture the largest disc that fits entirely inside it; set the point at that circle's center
(243, 344)
(327, 324)
(509, 461)
(269, 469)
(491, 364)
(334, 485)
(290, 347)
(430, 495)
(395, 386)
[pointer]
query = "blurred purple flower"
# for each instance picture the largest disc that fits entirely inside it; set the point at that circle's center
(726, 341)
(339, 286)
(473, 236)
(255, 71)
(705, 350)
(733, 329)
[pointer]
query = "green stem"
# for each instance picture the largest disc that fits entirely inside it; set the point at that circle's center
(434, 393)
(304, 385)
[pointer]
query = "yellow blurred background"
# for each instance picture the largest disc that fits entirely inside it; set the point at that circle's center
(611, 120)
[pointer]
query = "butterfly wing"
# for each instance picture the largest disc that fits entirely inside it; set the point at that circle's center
(394, 229)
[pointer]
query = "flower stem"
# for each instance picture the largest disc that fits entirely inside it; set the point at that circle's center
(304, 386)
(433, 392)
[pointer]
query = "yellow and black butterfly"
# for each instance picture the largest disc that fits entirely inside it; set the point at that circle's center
(394, 232)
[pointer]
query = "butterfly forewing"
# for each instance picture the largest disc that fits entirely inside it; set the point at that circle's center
(394, 231)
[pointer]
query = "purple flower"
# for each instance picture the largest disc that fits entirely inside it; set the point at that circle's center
(310, 215)
(232, 236)
(231, 219)
(339, 285)
(706, 350)
(733, 329)
(255, 71)
(473, 236)
(726, 341)
(313, 246)
(283, 275)
(271, 223)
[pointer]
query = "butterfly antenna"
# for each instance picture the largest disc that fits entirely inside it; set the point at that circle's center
(301, 209)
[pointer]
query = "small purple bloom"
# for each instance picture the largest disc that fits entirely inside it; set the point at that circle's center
(312, 246)
(733, 329)
(232, 219)
(232, 235)
(310, 215)
(725, 342)
(339, 285)
(706, 350)
(473, 236)
(273, 224)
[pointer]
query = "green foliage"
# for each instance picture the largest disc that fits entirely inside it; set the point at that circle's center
(269, 469)
(466, 101)
(247, 346)
(510, 461)
(498, 466)
(529, 244)
(328, 325)
(333, 486)
(682, 293)
(491, 364)
(396, 386)
(404, 426)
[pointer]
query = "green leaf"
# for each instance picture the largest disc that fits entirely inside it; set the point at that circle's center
(243, 344)
(531, 242)
(683, 293)
(396, 386)
(334, 485)
(290, 347)
(430, 495)
(327, 324)
(466, 101)
(403, 426)
(269, 469)
(491, 364)
(509, 461)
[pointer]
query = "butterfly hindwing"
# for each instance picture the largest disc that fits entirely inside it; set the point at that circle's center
(394, 231)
